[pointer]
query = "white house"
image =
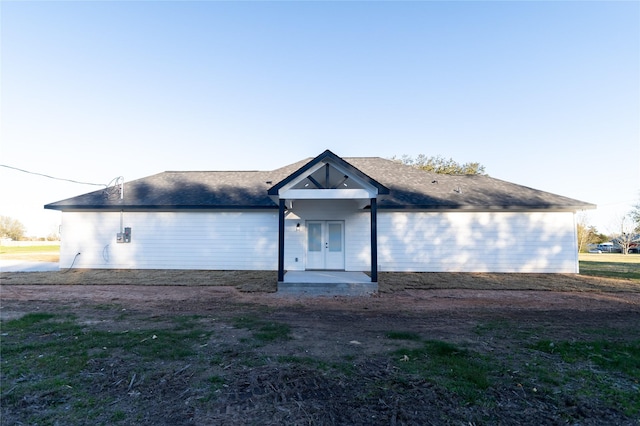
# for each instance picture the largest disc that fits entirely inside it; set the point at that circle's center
(326, 213)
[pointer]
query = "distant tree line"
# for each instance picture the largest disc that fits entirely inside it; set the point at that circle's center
(14, 230)
(442, 165)
(629, 236)
(625, 239)
(588, 234)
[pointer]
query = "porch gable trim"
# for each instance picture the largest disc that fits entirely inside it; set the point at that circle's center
(313, 165)
(326, 194)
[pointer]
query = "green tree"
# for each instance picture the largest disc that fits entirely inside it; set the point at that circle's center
(11, 228)
(587, 233)
(439, 164)
(585, 236)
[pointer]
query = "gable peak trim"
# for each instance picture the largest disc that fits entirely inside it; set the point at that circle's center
(328, 157)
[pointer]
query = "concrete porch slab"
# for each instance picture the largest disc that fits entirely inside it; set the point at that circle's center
(326, 283)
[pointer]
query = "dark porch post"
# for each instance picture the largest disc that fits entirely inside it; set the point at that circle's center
(281, 241)
(374, 241)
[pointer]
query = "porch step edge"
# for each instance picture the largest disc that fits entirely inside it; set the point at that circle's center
(327, 289)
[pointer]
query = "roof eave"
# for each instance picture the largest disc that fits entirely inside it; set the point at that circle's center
(156, 207)
(381, 206)
(492, 208)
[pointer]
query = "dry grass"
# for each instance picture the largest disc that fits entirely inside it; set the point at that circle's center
(249, 281)
(610, 257)
(266, 281)
(31, 256)
(390, 282)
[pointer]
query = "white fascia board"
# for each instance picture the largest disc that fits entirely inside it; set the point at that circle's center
(296, 181)
(326, 194)
(373, 191)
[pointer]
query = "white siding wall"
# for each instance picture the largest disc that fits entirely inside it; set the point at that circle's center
(407, 241)
(163, 240)
(477, 242)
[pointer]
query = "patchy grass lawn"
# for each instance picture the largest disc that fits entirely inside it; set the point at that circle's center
(606, 265)
(610, 258)
(47, 253)
(384, 360)
(9, 250)
(253, 366)
(611, 265)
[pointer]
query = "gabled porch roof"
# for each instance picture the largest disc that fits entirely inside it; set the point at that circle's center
(327, 176)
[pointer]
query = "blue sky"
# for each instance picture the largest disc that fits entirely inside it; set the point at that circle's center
(544, 94)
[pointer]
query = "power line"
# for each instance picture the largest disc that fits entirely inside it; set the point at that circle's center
(53, 177)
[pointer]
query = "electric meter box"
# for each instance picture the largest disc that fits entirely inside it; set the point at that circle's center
(124, 237)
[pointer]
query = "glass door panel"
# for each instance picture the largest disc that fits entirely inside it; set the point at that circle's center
(314, 236)
(335, 237)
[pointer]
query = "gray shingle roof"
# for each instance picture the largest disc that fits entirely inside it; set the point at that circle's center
(414, 188)
(409, 188)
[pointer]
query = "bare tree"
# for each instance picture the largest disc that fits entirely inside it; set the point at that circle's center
(11, 228)
(587, 234)
(627, 236)
(635, 216)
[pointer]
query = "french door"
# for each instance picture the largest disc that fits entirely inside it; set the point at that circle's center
(325, 244)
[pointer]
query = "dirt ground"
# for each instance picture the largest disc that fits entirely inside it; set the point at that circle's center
(266, 281)
(448, 307)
